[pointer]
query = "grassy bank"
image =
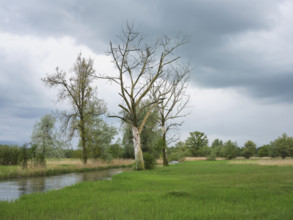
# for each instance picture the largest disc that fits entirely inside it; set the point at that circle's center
(55, 167)
(191, 190)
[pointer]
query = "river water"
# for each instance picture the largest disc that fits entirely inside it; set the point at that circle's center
(13, 189)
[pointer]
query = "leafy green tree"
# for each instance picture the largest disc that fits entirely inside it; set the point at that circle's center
(282, 146)
(150, 138)
(217, 149)
(24, 156)
(127, 142)
(81, 96)
(196, 142)
(46, 140)
(264, 151)
(150, 160)
(249, 149)
(217, 142)
(178, 152)
(9, 154)
(116, 150)
(99, 136)
(230, 150)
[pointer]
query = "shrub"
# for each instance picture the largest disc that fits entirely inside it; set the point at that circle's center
(149, 161)
(212, 155)
(9, 155)
(230, 150)
(176, 156)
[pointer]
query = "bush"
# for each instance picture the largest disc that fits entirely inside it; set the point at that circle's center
(24, 156)
(149, 161)
(264, 151)
(106, 156)
(230, 150)
(176, 156)
(212, 155)
(9, 155)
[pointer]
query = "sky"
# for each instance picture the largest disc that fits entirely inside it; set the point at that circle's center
(241, 53)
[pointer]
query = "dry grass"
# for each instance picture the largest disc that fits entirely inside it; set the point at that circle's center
(55, 166)
(76, 163)
(265, 161)
(200, 158)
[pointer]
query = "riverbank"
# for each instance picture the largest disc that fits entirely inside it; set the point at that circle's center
(190, 190)
(63, 166)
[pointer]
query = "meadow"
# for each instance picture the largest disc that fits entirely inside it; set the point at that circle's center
(190, 190)
(60, 166)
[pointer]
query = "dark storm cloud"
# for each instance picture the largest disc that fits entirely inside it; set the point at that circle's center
(19, 96)
(237, 44)
(209, 24)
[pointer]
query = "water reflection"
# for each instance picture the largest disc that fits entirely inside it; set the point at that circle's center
(11, 190)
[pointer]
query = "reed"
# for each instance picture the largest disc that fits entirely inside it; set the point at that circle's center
(265, 162)
(60, 166)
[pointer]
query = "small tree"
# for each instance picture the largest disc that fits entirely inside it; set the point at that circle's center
(45, 139)
(230, 150)
(196, 142)
(282, 146)
(24, 156)
(249, 149)
(217, 143)
(264, 151)
(99, 136)
(172, 92)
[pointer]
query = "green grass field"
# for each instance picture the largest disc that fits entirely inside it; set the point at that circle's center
(191, 190)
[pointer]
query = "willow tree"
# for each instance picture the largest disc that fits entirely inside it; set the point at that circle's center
(172, 92)
(45, 140)
(77, 89)
(139, 66)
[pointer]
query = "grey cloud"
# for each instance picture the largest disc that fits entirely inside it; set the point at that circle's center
(213, 26)
(209, 24)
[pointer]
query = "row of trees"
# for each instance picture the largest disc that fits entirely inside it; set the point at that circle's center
(196, 145)
(151, 80)
(152, 85)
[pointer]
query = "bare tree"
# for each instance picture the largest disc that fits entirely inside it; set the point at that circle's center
(172, 92)
(139, 67)
(82, 97)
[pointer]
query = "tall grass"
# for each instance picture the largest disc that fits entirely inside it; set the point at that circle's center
(267, 162)
(191, 190)
(55, 166)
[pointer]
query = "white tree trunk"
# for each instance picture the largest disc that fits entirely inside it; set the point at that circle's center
(139, 163)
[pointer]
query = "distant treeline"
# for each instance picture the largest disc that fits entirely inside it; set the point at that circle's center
(196, 145)
(14, 155)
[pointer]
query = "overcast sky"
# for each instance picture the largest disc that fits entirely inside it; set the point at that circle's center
(241, 53)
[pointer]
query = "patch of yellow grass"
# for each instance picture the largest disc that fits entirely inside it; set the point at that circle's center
(66, 164)
(265, 162)
(200, 158)
(76, 163)
(194, 158)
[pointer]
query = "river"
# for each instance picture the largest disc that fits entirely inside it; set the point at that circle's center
(13, 189)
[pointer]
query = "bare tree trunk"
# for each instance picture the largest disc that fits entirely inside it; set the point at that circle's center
(139, 163)
(165, 158)
(83, 145)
